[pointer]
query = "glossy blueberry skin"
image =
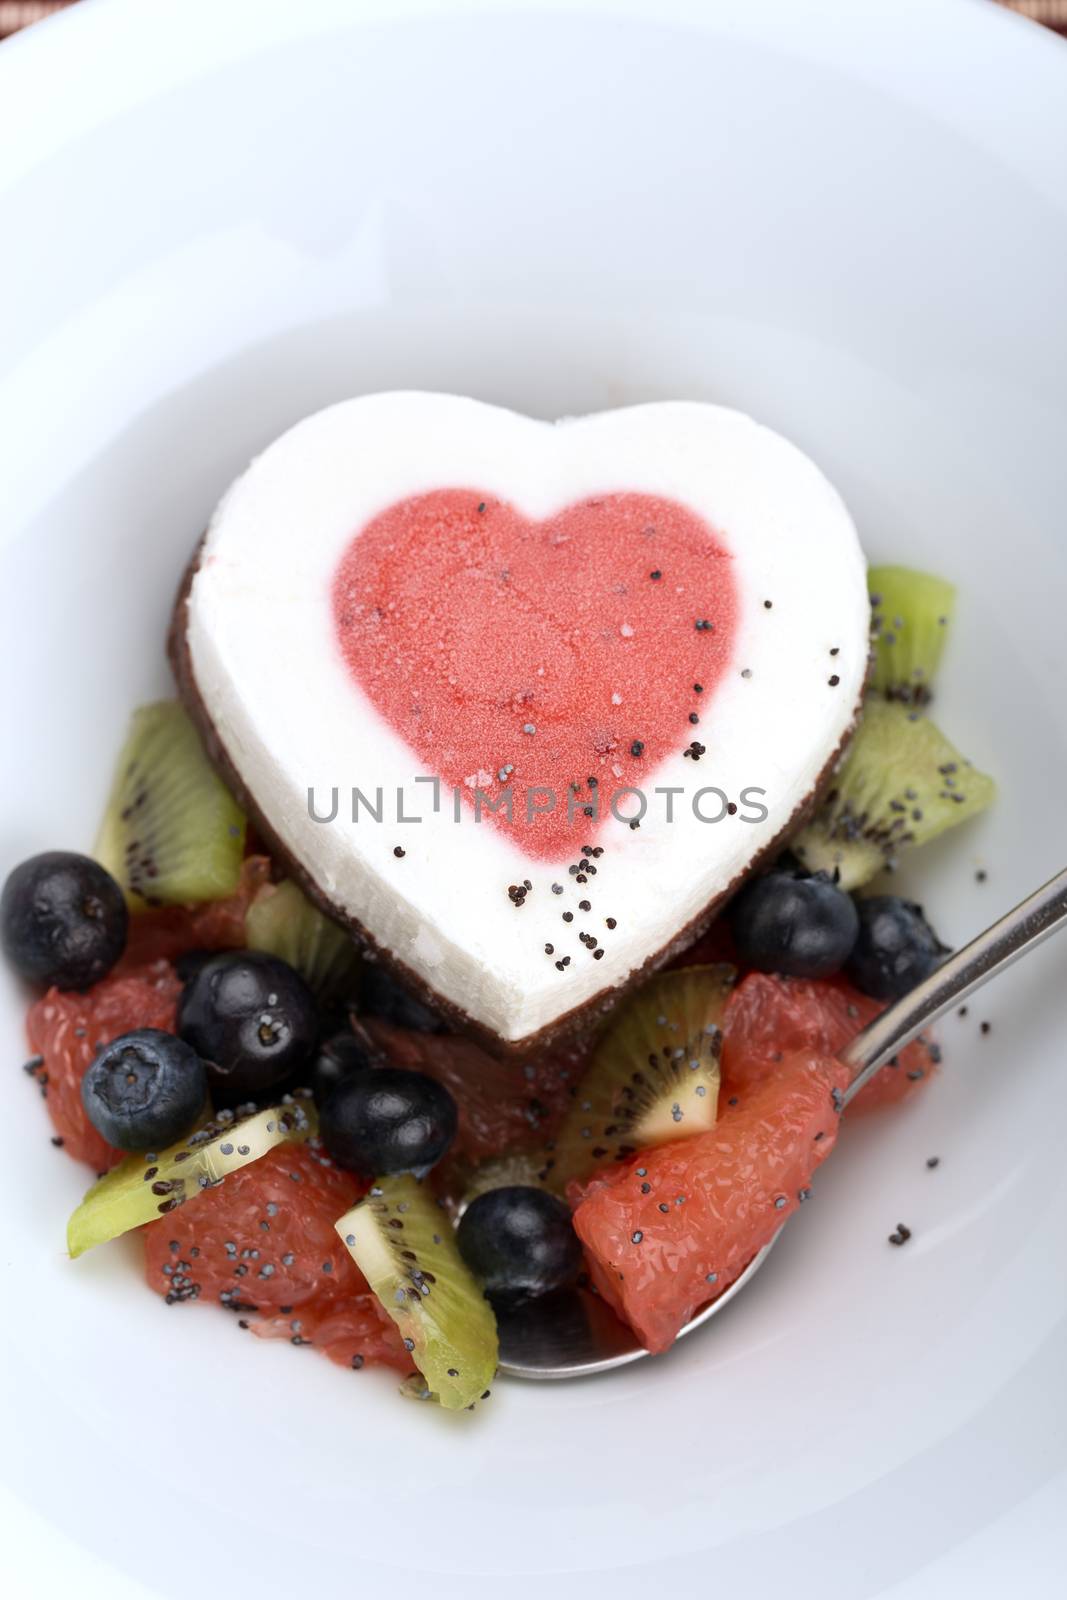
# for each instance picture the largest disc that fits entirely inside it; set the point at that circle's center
(896, 947)
(252, 1019)
(63, 920)
(388, 1120)
(336, 1059)
(800, 927)
(519, 1241)
(144, 1090)
(380, 995)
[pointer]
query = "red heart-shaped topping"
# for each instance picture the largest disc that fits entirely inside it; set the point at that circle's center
(564, 658)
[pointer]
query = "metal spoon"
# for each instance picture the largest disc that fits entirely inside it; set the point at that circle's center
(574, 1334)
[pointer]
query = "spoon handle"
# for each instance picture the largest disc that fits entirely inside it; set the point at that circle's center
(1018, 931)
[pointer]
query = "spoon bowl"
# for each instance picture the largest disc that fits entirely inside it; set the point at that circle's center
(576, 1335)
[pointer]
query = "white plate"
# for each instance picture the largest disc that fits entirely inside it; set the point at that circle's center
(851, 221)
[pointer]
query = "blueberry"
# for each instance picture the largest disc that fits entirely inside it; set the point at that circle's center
(252, 1018)
(63, 920)
(337, 1058)
(896, 947)
(380, 995)
(519, 1241)
(144, 1090)
(388, 1120)
(802, 927)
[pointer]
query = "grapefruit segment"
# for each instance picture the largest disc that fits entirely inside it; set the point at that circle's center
(671, 1229)
(263, 1245)
(767, 1016)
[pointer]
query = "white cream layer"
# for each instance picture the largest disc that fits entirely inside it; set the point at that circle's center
(292, 718)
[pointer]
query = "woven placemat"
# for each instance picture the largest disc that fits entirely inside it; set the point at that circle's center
(1053, 13)
(16, 14)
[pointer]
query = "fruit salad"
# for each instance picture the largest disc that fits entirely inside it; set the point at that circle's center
(309, 1142)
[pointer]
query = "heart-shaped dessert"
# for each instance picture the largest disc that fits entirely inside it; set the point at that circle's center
(522, 702)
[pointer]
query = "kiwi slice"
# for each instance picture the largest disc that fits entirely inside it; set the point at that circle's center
(910, 612)
(653, 1077)
(402, 1242)
(282, 921)
(901, 784)
(143, 1188)
(172, 833)
(526, 1167)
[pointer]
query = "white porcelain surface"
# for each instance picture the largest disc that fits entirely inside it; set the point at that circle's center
(848, 220)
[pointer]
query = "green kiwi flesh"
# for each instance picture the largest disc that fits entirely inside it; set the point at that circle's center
(901, 784)
(526, 1167)
(910, 613)
(172, 833)
(653, 1077)
(142, 1188)
(282, 921)
(402, 1241)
